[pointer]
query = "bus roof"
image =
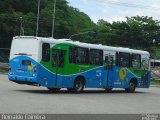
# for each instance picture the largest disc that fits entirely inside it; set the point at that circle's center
(109, 48)
(88, 45)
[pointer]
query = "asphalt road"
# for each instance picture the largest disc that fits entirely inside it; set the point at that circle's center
(15, 98)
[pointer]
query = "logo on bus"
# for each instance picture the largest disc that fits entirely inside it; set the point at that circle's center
(122, 73)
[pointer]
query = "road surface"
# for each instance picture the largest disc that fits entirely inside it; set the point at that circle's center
(15, 98)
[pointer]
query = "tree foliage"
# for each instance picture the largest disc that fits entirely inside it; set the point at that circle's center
(68, 20)
(139, 32)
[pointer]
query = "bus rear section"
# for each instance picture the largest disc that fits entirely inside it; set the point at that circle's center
(24, 59)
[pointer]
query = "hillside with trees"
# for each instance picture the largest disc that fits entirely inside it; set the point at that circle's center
(68, 20)
(138, 32)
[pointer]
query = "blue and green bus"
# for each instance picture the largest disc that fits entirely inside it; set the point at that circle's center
(63, 63)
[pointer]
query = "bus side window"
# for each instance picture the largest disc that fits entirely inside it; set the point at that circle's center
(46, 52)
(124, 59)
(80, 55)
(96, 57)
(136, 61)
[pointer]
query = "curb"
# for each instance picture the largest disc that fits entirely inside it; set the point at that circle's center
(155, 85)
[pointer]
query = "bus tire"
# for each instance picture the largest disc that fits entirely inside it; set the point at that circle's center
(54, 89)
(132, 87)
(78, 85)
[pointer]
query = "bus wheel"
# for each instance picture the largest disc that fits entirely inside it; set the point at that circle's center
(54, 89)
(108, 89)
(78, 85)
(132, 87)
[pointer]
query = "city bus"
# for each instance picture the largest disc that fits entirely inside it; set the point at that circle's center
(63, 63)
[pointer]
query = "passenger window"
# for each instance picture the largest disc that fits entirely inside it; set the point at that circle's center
(79, 55)
(96, 57)
(46, 52)
(136, 61)
(124, 59)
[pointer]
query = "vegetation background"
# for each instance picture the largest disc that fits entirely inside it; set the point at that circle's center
(138, 32)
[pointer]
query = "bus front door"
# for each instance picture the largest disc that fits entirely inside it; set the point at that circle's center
(58, 57)
(108, 71)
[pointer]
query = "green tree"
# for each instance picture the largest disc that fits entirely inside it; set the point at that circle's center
(143, 31)
(68, 20)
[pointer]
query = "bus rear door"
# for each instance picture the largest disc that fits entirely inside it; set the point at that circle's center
(58, 57)
(108, 71)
